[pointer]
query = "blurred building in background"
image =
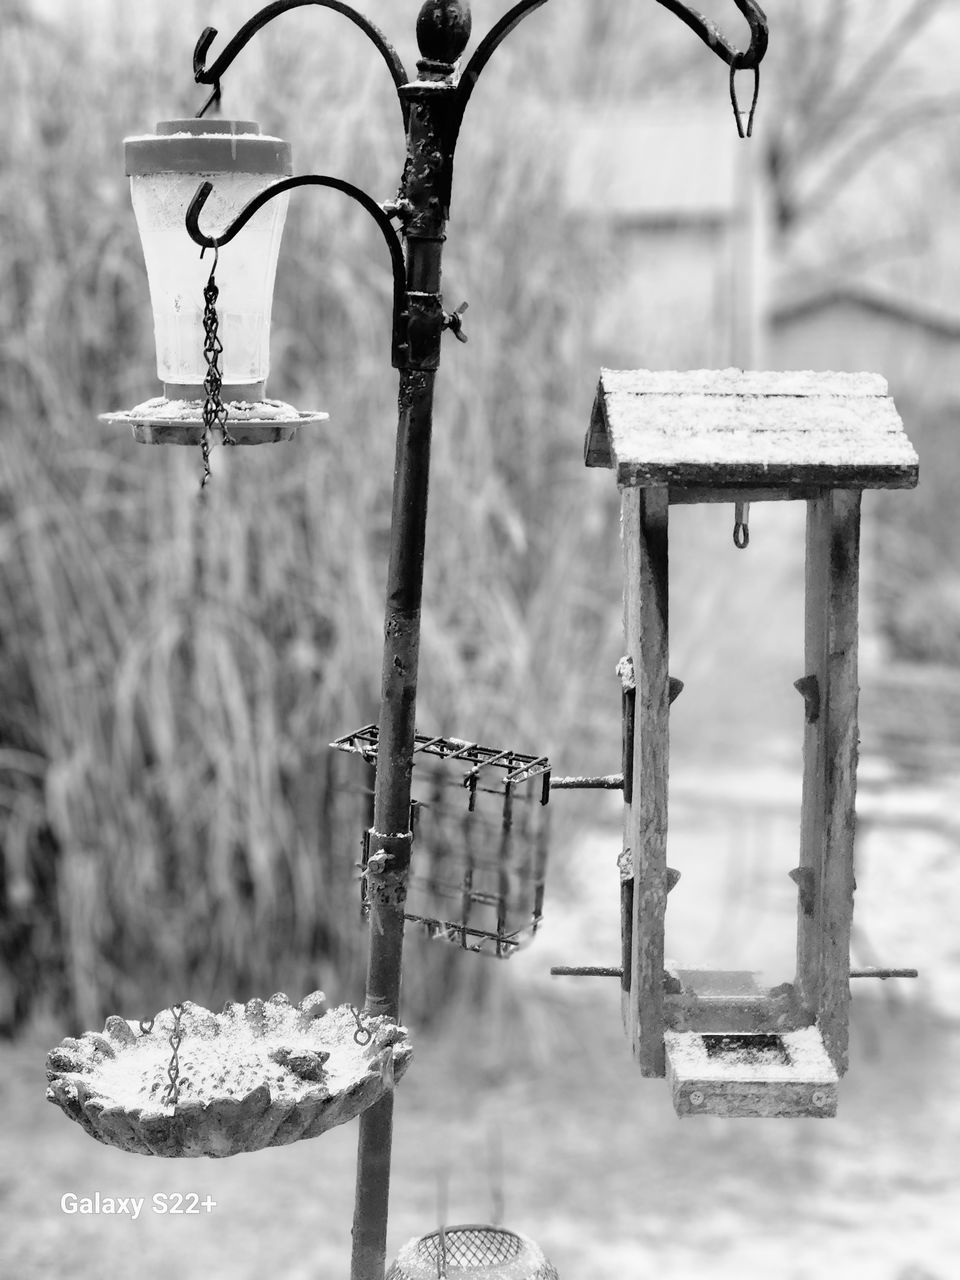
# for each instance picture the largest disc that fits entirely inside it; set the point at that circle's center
(862, 324)
(683, 197)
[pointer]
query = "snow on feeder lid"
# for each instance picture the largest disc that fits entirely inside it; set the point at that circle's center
(165, 169)
(483, 1253)
(258, 1075)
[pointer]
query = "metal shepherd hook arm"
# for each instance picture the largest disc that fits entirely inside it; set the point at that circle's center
(738, 59)
(212, 75)
(399, 346)
(748, 59)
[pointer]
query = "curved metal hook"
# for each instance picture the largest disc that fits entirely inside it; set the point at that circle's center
(711, 35)
(488, 47)
(735, 101)
(399, 344)
(709, 32)
(749, 58)
(471, 74)
(211, 75)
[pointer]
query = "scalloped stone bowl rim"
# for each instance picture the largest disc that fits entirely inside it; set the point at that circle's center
(222, 1125)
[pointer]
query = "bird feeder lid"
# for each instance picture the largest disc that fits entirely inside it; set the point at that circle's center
(208, 147)
(726, 429)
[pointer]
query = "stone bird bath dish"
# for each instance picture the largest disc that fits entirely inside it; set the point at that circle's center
(259, 1074)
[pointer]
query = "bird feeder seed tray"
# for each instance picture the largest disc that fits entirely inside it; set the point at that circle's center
(165, 421)
(260, 1074)
(765, 1074)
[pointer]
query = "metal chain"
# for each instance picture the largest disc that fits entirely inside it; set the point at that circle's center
(214, 411)
(172, 1091)
(172, 1094)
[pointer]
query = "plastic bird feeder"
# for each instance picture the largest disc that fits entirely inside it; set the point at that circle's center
(165, 168)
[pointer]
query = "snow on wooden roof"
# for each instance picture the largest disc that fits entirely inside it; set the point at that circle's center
(769, 430)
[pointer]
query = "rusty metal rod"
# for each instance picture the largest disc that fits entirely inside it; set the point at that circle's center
(392, 791)
(607, 782)
(585, 971)
(873, 972)
(442, 33)
(600, 971)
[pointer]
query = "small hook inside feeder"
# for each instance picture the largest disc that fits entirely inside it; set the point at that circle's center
(741, 526)
(363, 1035)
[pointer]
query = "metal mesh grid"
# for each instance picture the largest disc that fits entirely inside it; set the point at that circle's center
(517, 766)
(485, 1253)
(479, 867)
(471, 1246)
(478, 872)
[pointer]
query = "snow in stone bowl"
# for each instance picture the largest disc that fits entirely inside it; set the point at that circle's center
(257, 1075)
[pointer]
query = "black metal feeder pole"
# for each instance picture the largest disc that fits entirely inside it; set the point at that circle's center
(436, 105)
(443, 31)
(433, 108)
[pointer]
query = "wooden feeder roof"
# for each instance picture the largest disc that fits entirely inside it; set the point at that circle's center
(716, 429)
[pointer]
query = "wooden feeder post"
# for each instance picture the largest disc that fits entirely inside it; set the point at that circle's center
(646, 619)
(744, 438)
(830, 741)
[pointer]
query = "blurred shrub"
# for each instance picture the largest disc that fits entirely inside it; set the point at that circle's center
(172, 821)
(919, 583)
(171, 818)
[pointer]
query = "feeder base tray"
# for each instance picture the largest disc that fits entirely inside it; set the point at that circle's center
(736, 1074)
(163, 421)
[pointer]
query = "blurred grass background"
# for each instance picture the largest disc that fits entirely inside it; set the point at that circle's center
(171, 674)
(171, 820)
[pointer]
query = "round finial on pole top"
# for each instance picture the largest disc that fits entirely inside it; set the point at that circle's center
(443, 29)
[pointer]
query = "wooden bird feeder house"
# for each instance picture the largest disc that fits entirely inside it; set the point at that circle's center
(728, 1046)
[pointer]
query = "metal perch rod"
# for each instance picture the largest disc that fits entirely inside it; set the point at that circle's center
(874, 972)
(601, 971)
(608, 782)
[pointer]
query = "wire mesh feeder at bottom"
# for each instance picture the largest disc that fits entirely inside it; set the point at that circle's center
(259, 1074)
(485, 1253)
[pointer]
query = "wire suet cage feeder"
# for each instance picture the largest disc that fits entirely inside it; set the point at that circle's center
(481, 857)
